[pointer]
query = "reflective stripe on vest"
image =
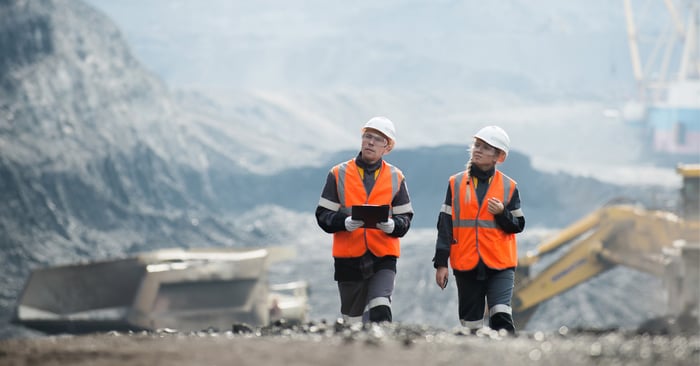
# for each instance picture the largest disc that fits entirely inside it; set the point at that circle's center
(351, 191)
(474, 229)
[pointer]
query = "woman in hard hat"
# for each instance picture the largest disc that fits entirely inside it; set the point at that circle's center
(476, 232)
(365, 257)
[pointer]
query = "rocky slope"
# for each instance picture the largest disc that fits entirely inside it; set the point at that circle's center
(96, 160)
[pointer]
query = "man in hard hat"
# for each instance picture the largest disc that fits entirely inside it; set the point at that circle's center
(476, 233)
(365, 257)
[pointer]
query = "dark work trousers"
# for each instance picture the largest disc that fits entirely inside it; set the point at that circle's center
(482, 286)
(368, 300)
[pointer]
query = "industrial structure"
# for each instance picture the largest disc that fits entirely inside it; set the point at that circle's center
(667, 74)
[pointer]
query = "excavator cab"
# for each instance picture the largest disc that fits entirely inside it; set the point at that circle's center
(658, 242)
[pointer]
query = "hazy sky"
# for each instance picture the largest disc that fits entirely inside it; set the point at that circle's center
(545, 70)
(575, 47)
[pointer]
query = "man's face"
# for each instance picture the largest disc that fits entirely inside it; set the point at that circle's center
(374, 146)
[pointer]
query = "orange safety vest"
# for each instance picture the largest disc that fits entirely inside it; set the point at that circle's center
(474, 229)
(351, 191)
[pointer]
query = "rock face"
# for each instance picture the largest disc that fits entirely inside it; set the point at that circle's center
(95, 159)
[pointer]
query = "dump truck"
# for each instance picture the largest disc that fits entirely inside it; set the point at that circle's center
(178, 289)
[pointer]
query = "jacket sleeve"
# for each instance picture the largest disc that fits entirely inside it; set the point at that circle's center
(512, 220)
(444, 236)
(328, 216)
(402, 211)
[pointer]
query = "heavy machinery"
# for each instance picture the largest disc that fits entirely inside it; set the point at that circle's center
(662, 243)
(184, 290)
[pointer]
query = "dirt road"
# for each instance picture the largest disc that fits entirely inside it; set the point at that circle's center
(328, 345)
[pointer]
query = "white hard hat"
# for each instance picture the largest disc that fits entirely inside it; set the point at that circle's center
(383, 125)
(496, 137)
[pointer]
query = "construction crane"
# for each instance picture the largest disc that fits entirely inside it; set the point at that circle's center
(667, 76)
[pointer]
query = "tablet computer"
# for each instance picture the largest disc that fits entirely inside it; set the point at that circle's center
(370, 214)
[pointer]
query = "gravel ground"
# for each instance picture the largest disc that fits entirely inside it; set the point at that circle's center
(338, 344)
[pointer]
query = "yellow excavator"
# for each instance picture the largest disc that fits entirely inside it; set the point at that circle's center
(662, 243)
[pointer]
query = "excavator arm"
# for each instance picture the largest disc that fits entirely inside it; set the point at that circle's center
(579, 264)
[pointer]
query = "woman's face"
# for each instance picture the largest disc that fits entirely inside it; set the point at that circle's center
(484, 155)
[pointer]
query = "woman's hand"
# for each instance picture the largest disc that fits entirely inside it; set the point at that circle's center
(441, 274)
(495, 206)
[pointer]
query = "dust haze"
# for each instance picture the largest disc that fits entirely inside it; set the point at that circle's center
(306, 75)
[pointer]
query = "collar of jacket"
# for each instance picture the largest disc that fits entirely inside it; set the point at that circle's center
(481, 174)
(367, 167)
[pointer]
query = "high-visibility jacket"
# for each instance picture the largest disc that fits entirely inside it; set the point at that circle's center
(351, 191)
(474, 229)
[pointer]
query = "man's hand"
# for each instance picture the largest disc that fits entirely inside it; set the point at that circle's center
(352, 225)
(387, 226)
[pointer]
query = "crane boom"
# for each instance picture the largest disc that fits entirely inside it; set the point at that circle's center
(634, 47)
